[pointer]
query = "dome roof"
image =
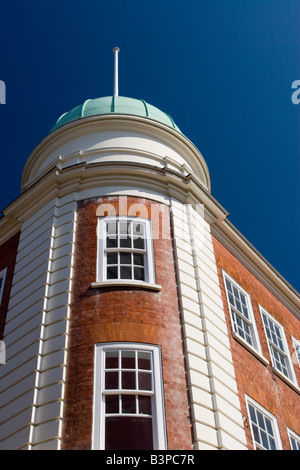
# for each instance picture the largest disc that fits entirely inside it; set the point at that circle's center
(115, 105)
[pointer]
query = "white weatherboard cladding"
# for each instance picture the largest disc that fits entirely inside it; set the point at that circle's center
(36, 330)
(217, 419)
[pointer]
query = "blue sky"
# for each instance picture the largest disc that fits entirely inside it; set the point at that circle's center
(222, 69)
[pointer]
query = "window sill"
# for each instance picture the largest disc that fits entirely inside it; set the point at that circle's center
(250, 349)
(123, 283)
(286, 380)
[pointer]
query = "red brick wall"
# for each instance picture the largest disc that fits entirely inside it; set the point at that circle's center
(253, 377)
(122, 314)
(8, 253)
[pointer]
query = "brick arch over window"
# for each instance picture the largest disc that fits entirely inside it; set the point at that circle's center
(123, 314)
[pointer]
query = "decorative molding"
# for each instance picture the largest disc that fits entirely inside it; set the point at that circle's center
(100, 124)
(123, 283)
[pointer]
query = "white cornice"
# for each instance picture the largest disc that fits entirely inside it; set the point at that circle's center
(135, 124)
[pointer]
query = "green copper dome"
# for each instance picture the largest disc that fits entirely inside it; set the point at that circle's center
(115, 105)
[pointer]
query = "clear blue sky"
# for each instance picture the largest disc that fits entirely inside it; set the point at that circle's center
(223, 70)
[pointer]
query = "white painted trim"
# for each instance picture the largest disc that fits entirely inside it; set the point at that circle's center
(296, 344)
(123, 283)
(210, 373)
(251, 314)
(149, 266)
(292, 377)
(294, 435)
(158, 420)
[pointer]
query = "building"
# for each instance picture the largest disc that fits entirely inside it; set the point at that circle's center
(129, 302)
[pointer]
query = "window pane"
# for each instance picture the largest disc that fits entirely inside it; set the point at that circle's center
(231, 299)
(125, 242)
(235, 291)
(256, 434)
(125, 272)
(111, 360)
(138, 229)
(125, 258)
(128, 380)
(239, 321)
(245, 312)
(252, 414)
(128, 360)
(112, 404)
(111, 227)
(124, 228)
(265, 442)
(128, 404)
(112, 272)
(112, 258)
(144, 360)
(261, 421)
(280, 344)
(139, 274)
(243, 299)
(272, 443)
(138, 243)
(117, 436)
(111, 380)
(145, 382)
(269, 426)
(145, 405)
(138, 260)
(111, 242)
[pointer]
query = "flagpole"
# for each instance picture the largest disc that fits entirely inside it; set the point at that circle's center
(116, 50)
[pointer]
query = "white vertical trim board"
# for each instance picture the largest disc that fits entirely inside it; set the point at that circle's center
(48, 403)
(22, 331)
(36, 330)
(215, 406)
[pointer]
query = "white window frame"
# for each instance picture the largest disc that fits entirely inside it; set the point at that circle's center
(296, 344)
(285, 353)
(295, 437)
(149, 267)
(255, 346)
(267, 415)
(3, 277)
(158, 413)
